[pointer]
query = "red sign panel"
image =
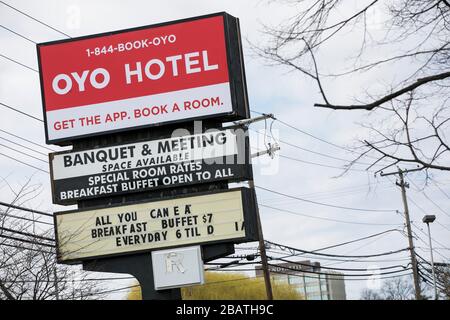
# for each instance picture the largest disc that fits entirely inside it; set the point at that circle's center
(130, 79)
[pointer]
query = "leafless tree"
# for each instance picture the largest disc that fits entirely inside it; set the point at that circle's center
(392, 289)
(369, 294)
(397, 289)
(443, 279)
(28, 268)
(412, 113)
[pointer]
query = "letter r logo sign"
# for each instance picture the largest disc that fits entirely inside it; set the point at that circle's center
(174, 260)
(177, 267)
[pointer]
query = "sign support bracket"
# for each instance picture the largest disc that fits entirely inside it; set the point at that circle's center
(262, 245)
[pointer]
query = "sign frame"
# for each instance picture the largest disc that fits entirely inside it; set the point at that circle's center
(244, 170)
(249, 206)
(236, 76)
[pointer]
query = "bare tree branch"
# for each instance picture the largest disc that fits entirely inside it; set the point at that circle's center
(415, 108)
(28, 258)
(389, 97)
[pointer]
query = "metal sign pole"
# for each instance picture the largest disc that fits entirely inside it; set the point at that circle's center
(262, 246)
(262, 249)
(436, 296)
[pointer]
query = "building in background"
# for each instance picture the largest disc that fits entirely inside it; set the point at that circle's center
(308, 279)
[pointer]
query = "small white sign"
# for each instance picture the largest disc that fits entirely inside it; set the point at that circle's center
(179, 267)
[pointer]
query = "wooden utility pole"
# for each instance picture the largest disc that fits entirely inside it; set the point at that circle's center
(403, 185)
(251, 183)
(262, 248)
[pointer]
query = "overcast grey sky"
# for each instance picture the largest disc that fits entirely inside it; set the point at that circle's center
(288, 95)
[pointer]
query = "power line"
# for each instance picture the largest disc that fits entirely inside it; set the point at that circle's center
(329, 275)
(112, 290)
(442, 191)
(348, 242)
(318, 138)
(325, 204)
(412, 222)
(247, 278)
(429, 272)
(403, 185)
(318, 267)
(425, 243)
(317, 164)
(424, 233)
(136, 286)
(258, 187)
(421, 209)
(429, 199)
(230, 280)
(24, 248)
(17, 34)
(21, 145)
(27, 241)
(416, 236)
(37, 20)
(22, 152)
(27, 234)
(366, 245)
(427, 279)
(336, 255)
(306, 133)
(104, 292)
(439, 248)
(121, 278)
(25, 219)
(319, 196)
(19, 63)
(341, 260)
(232, 264)
(22, 112)
(24, 163)
(349, 190)
(340, 274)
(70, 281)
(282, 250)
(312, 151)
(24, 139)
(423, 259)
(328, 219)
(25, 209)
(339, 269)
(443, 226)
(321, 164)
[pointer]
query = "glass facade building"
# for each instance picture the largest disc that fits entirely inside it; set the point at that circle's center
(308, 279)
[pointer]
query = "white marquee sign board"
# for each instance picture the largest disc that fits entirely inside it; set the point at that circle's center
(172, 222)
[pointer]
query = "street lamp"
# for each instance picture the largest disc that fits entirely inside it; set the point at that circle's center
(429, 219)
